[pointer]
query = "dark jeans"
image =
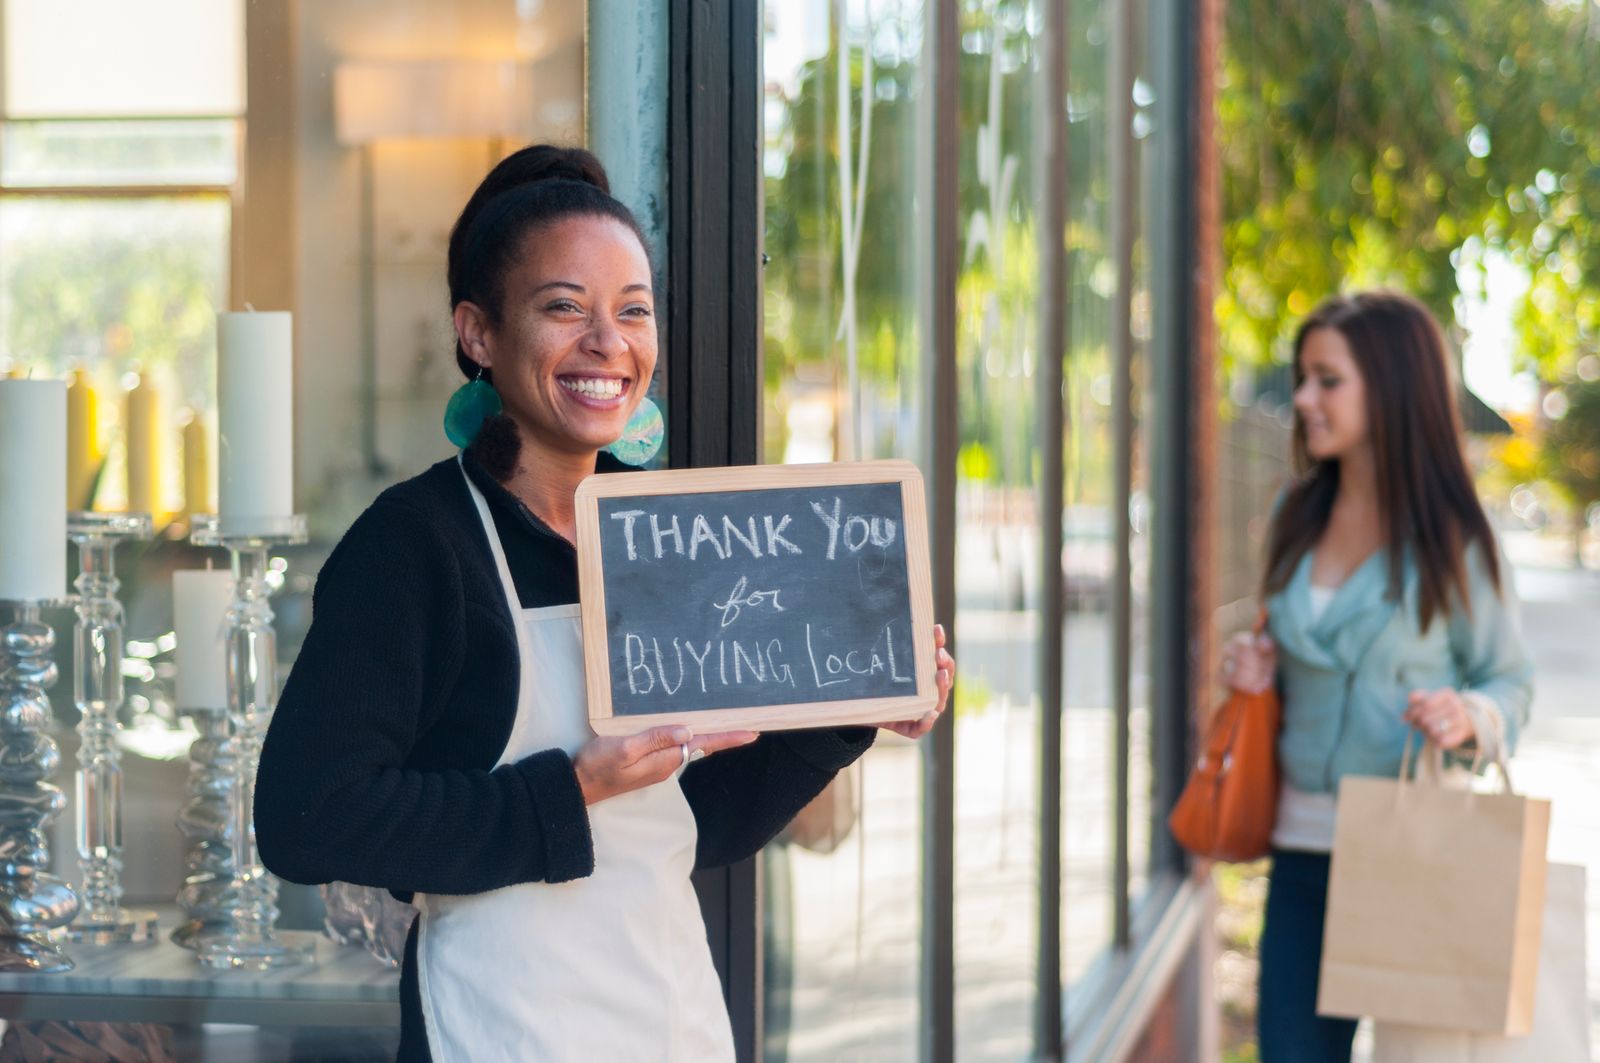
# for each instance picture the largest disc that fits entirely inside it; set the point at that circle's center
(1287, 1022)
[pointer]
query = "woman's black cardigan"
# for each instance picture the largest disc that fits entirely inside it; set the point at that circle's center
(378, 765)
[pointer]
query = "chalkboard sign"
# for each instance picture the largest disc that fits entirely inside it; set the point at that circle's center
(764, 597)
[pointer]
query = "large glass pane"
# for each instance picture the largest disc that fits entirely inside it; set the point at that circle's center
(1087, 551)
(844, 380)
(997, 534)
(1150, 253)
(87, 153)
(124, 290)
(108, 58)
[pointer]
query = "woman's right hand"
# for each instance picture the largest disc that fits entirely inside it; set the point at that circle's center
(1249, 662)
(610, 765)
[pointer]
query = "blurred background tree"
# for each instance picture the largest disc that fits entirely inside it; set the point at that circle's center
(1379, 143)
(1570, 456)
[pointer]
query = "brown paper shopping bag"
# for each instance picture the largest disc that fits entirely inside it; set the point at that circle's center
(1560, 1031)
(1435, 899)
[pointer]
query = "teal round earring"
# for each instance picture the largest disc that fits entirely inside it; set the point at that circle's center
(642, 436)
(473, 403)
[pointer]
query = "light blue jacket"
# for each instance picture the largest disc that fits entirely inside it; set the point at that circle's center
(1346, 677)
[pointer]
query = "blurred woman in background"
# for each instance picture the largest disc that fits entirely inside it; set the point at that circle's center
(1389, 608)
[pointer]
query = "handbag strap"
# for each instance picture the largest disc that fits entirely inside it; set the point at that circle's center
(1238, 719)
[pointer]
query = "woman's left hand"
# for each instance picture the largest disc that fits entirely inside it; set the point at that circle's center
(944, 679)
(1442, 716)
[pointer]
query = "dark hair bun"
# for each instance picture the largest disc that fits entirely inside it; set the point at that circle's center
(540, 162)
(497, 446)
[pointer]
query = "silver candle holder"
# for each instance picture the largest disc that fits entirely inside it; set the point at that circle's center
(251, 940)
(206, 820)
(32, 901)
(97, 689)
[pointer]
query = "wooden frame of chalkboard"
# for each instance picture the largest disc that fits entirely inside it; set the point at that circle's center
(861, 570)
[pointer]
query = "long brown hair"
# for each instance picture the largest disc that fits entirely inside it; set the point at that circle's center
(1425, 492)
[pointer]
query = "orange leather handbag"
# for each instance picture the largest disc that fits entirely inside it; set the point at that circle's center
(1227, 808)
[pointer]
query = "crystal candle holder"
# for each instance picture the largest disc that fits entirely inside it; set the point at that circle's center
(206, 821)
(250, 940)
(98, 692)
(32, 901)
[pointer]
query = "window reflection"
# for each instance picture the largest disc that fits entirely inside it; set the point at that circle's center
(1088, 780)
(844, 380)
(106, 153)
(121, 289)
(997, 533)
(1148, 248)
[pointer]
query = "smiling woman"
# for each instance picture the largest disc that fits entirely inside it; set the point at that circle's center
(450, 758)
(550, 286)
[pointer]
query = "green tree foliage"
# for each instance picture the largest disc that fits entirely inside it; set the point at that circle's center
(1572, 446)
(998, 246)
(118, 285)
(1367, 142)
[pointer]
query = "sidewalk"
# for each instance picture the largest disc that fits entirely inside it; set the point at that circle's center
(1559, 756)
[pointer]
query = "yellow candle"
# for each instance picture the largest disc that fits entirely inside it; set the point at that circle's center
(197, 466)
(84, 455)
(145, 437)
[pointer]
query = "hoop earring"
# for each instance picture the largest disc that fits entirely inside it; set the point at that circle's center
(473, 403)
(642, 436)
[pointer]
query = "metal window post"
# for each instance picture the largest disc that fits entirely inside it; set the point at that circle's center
(1048, 1038)
(713, 352)
(1173, 252)
(1119, 96)
(938, 172)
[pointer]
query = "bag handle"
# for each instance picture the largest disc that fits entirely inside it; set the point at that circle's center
(1411, 771)
(1435, 759)
(1203, 761)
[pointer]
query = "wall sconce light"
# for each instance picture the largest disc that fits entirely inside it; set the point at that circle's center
(430, 99)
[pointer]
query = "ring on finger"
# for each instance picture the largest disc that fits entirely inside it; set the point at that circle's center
(685, 750)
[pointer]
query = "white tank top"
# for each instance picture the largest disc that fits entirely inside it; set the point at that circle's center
(1305, 821)
(614, 966)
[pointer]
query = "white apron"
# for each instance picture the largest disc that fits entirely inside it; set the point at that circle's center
(610, 967)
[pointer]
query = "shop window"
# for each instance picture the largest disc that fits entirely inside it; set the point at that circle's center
(1088, 548)
(119, 157)
(845, 378)
(997, 501)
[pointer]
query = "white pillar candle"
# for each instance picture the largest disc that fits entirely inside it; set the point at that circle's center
(255, 422)
(33, 489)
(200, 599)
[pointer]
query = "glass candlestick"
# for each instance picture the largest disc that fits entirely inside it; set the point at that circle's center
(32, 901)
(250, 940)
(97, 690)
(206, 819)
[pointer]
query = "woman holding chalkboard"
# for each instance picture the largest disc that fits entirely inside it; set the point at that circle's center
(433, 736)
